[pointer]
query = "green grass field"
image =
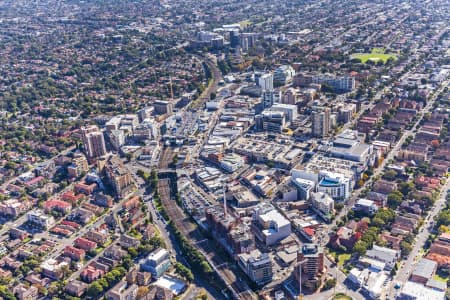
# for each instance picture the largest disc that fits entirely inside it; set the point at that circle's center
(245, 23)
(375, 55)
(439, 278)
(342, 258)
(341, 296)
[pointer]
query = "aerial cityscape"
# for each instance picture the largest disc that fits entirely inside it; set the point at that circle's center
(193, 150)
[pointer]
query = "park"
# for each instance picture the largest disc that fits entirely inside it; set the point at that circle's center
(376, 55)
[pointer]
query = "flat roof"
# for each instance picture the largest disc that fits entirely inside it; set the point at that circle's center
(421, 292)
(171, 283)
(425, 268)
(274, 216)
(158, 254)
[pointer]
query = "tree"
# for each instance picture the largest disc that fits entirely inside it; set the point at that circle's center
(110, 278)
(395, 199)
(406, 187)
(443, 218)
(405, 248)
(127, 262)
(387, 215)
(133, 252)
(206, 268)
(104, 283)
(6, 293)
(360, 247)
(329, 284)
(142, 291)
(390, 175)
(378, 222)
(183, 271)
(95, 289)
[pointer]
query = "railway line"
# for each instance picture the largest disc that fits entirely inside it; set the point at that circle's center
(206, 246)
(166, 158)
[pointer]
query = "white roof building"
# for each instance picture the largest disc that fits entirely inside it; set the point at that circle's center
(417, 291)
(274, 226)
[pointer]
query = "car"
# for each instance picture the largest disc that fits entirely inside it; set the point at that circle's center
(397, 286)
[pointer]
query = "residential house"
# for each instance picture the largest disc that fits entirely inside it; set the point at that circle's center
(385, 255)
(53, 269)
(384, 187)
(85, 244)
(74, 253)
(127, 241)
(122, 291)
(91, 273)
(404, 224)
(98, 236)
(23, 292)
(57, 205)
(76, 288)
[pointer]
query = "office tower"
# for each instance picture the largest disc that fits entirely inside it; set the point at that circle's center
(265, 82)
(235, 38)
(320, 123)
(269, 97)
(93, 141)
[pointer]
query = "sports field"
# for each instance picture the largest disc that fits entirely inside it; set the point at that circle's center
(375, 55)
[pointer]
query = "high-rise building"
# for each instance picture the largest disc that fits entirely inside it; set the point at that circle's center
(265, 82)
(320, 122)
(235, 38)
(311, 261)
(268, 120)
(257, 266)
(341, 83)
(290, 96)
(145, 113)
(163, 107)
(94, 141)
(118, 176)
(269, 97)
(283, 74)
(289, 110)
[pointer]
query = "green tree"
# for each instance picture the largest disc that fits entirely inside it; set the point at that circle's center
(360, 247)
(133, 252)
(183, 271)
(395, 199)
(405, 248)
(443, 218)
(390, 175)
(329, 284)
(94, 290)
(406, 187)
(378, 222)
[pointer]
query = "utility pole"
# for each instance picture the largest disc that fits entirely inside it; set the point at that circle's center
(299, 264)
(336, 277)
(224, 186)
(171, 89)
